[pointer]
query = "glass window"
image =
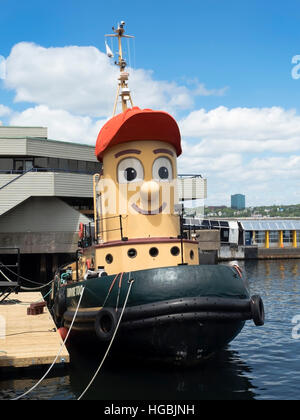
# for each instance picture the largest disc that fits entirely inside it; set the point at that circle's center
(274, 236)
(287, 236)
(97, 167)
(19, 165)
(224, 235)
(28, 165)
(81, 165)
(63, 164)
(40, 162)
(6, 164)
(73, 165)
(90, 167)
(260, 237)
(53, 163)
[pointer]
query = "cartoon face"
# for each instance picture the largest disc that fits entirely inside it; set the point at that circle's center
(144, 173)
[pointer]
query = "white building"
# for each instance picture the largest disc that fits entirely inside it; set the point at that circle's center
(46, 191)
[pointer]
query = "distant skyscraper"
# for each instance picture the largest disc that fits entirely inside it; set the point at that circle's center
(238, 202)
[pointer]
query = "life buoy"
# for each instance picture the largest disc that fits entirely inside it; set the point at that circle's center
(105, 324)
(257, 310)
(81, 231)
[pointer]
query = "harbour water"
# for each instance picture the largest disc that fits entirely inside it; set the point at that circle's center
(261, 363)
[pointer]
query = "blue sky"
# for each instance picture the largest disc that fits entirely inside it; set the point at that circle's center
(221, 67)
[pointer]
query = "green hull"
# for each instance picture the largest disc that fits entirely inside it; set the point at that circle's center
(180, 314)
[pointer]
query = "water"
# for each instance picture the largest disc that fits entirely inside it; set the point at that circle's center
(261, 363)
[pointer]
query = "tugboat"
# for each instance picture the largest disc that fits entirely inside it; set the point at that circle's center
(135, 259)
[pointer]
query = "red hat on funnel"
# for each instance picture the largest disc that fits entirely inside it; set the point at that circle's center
(137, 124)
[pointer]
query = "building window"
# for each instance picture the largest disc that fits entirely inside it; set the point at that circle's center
(53, 163)
(82, 166)
(6, 164)
(23, 164)
(41, 162)
(73, 165)
(287, 236)
(274, 237)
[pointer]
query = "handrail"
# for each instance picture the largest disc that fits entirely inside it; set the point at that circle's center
(14, 172)
(52, 170)
(15, 179)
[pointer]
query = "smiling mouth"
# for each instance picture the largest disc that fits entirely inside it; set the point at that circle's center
(151, 212)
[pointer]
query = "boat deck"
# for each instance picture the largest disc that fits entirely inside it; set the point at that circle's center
(28, 341)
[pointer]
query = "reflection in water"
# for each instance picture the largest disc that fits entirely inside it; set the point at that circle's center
(261, 363)
(221, 378)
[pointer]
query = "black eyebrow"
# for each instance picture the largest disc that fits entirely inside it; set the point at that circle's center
(169, 152)
(128, 152)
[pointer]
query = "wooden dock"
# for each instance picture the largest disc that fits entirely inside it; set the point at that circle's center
(28, 341)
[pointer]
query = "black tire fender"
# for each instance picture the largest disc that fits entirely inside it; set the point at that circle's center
(257, 310)
(106, 323)
(60, 304)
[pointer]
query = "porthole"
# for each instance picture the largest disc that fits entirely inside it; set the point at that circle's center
(109, 258)
(132, 253)
(192, 255)
(175, 251)
(153, 252)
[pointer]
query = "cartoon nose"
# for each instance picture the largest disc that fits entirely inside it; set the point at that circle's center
(149, 191)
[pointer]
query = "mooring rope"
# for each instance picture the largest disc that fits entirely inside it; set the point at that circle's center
(130, 281)
(24, 278)
(60, 350)
(23, 287)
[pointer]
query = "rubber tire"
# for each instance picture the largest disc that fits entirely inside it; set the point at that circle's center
(60, 304)
(105, 324)
(257, 310)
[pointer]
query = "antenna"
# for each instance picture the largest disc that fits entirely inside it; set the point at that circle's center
(123, 90)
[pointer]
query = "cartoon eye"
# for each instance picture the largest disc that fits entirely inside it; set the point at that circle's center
(130, 170)
(162, 170)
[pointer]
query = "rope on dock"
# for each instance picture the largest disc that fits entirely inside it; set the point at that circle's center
(23, 278)
(111, 342)
(22, 287)
(60, 350)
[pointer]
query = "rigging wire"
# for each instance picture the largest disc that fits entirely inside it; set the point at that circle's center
(111, 342)
(60, 350)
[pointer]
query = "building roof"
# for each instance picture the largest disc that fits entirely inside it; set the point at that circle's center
(275, 225)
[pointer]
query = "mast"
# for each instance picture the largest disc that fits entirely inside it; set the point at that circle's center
(123, 90)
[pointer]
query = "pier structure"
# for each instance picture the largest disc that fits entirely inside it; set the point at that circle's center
(28, 341)
(252, 238)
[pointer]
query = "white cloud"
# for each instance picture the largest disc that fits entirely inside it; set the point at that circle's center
(83, 80)
(225, 130)
(71, 90)
(4, 110)
(61, 124)
(2, 67)
(77, 79)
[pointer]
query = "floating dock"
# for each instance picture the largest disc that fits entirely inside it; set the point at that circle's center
(28, 341)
